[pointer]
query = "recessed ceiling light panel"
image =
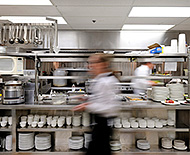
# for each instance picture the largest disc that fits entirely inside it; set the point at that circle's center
(160, 12)
(25, 2)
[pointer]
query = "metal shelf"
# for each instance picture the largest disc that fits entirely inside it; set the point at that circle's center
(5, 129)
(62, 77)
(67, 88)
(164, 129)
(49, 129)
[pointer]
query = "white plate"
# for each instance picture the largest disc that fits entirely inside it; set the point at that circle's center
(180, 149)
(172, 104)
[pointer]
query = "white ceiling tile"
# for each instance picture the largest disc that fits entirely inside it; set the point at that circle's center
(93, 11)
(181, 27)
(152, 20)
(93, 2)
(64, 26)
(99, 20)
(186, 21)
(95, 26)
(161, 3)
(28, 11)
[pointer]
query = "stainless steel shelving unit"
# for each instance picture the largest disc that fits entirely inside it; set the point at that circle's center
(81, 57)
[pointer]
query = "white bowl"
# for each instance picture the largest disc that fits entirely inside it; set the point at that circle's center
(40, 124)
(23, 124)
(34, 124)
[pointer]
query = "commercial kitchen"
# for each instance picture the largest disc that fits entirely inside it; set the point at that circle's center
(44, 48)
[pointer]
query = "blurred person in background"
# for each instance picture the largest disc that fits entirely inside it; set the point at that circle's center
(101, 103)
(141, 84)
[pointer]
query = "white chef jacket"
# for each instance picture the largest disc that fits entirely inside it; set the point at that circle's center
(141, 84)
(102, 101)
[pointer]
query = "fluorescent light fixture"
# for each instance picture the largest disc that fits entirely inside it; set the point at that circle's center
(160, 12)
(146, 27)
(25, 2)
(27, 19)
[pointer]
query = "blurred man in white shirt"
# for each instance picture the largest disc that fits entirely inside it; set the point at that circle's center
(141, 84)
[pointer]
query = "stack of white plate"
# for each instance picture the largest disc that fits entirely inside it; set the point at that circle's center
(166, 143)
(115, 145)
(176, 91)
(76, 142)
(25, 141)
(76, 120)
(160, 93)
(143, 144)
(179, 145)
(8, 144)
(87, 139)
(86, 119)
(43, 141)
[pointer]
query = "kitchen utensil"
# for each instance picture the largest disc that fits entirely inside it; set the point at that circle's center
(21, 40)
(39, 37)
(11, 30)
(4, 35)
(16, 40)
(30, 34)
(25, 35)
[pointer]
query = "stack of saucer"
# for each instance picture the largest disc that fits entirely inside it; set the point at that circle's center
(166, 143)
(115, 145)
(86, 119)
(143, 144)
(87, 139)
(25, 141)
(43, 141)
(76, 142)
(175, 94)
(160, 93)
(8, 144)
(179, 145)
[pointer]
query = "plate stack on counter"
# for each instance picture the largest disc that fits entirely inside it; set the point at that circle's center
(25, 141)
(8, 145)
(87, 139)
(115, 145)
(43, 141)
(176, 91)
(179, 145)
(143, 144)
(76, 142)
(166, 143)
(160, 93)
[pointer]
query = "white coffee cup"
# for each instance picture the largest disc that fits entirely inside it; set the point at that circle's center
(40, 124)
(34, 124)
(23, 124)
(3, 123)
(53, 123)
(68, 120)
(10, 120)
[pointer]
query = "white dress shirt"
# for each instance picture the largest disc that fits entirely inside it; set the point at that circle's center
(141, 84)
(102, 100)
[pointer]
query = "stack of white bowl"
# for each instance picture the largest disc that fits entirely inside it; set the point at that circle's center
(117, 122)
(176, 91)
(76, 120)
(87, 139)
(115, 145)
(86, 119)
(43, 141)
(179, 145)
(8, 143)
(76, 142)
(143, 144)
(25, 141)
(160, 93)
(126, 124)
(166, 143)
